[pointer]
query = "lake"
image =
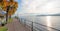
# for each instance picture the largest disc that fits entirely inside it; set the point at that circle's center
(45, 23)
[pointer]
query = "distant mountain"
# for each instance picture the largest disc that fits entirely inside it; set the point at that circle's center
(56, 14)
(49, 14)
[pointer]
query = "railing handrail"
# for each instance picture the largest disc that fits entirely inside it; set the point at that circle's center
(44, 25)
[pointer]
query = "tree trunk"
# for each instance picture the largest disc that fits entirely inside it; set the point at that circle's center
(7, 13)
(7, 16)
(10, 16)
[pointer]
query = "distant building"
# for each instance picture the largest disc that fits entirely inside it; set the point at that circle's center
(2, 14)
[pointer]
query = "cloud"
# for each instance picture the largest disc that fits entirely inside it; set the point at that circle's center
(40, 6)
(15, 0)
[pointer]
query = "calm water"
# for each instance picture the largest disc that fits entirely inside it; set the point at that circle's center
(50, 21)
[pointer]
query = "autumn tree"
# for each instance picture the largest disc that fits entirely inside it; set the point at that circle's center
(12, 6)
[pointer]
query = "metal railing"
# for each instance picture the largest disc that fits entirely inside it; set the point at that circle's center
(34, 28)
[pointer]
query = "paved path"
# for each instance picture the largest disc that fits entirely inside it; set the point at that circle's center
(16, 26)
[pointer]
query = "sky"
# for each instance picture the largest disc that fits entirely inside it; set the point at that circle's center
(19, 6)
(38, 6)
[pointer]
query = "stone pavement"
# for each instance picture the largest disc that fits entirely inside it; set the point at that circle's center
(16, 26)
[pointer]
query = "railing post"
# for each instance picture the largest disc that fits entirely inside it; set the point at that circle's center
(20, 20)
(24, 22)
(32, 26)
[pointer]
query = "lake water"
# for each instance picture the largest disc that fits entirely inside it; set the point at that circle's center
(46, 21)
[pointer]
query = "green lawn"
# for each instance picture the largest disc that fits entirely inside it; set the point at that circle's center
(3, 29)
(10, 20)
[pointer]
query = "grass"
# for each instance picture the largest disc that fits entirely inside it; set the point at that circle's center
(10, 20)
(3, 29)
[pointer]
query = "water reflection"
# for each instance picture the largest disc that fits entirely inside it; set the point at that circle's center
(48, 18)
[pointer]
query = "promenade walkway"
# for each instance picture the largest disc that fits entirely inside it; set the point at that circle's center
(16, 26)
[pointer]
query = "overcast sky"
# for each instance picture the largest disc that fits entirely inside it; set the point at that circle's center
(39, 6)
